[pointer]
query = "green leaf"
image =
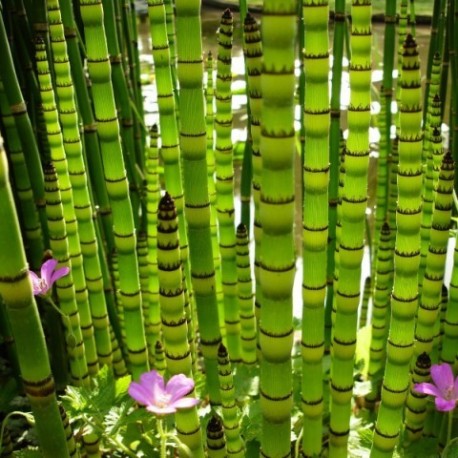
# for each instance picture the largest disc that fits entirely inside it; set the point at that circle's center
(451, 451)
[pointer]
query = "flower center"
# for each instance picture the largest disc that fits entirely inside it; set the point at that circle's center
(163, 400)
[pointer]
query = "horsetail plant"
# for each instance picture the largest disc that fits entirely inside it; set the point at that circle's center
(85, 109)
(415, 412)
(334, 156)
(65, 286)
(404, 297)
(431, 293)
(123, 224)
(16, 292)
(277, 257)
(216, 442)
(315, 219)
(224, 185)
(245, 293)
(23, 190)
(252, 50)
(197, 205)
(351, 247)
(152, 189)
(234, 442)
(83, 208)
(57, 153)
(174, 324)
(380, 308)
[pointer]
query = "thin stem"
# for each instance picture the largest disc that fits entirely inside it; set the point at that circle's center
(449, 426)
(163, 437)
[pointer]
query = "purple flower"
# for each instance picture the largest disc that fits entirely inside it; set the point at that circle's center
(163, 399)
(48, 276)
(445, 387)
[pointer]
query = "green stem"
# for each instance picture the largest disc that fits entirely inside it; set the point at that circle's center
(449, 426)
(163, 436)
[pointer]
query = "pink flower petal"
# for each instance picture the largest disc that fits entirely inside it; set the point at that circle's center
(36, 283)
(455, 389)
(59, 273)
(444, 406)
(428, 388)
(185, 403)
(179, 386)
(161, 410)
(47, 269)
(442, 376)
(140, 393)
(154, 382)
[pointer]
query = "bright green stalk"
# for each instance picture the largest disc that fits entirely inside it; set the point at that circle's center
(119, 365)
(71, 444)
(210, 121)
(225, 185)
(234, 442)
(315, 219)
(393, 186)
(450, 338)
(28, 210)
(91, 442)
(334, 156)
(119, 307)
(431, 294)
(85, 109)
(252, 49)
(433, 50)
(432, 158)
(415, 412)
(152, 202)
(123, 101)
(351, 248)
(83, 208)
(143, 270)
(404, 298)
(23, 125)
(123, 225)
(59, 160)
(174, 327)
(385, 119)
(65, 286)
(245, 297)
(16, 292)
(216, 443)
(331, 312)
(380, 306)
(159, 358)
(170, 147)
(277, 257)
(197, 205)
(171, 35)
(171, 296)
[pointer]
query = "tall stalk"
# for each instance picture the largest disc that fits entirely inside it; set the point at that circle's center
(123, 225)
(277, 260)
(197, 205)
(65, 287)
(174, 326)
(77, 172)
(353, 226)
(404, 297)
(16, 292)
(334, 156)
(58, 157)
(315, 218)
(225, 185)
